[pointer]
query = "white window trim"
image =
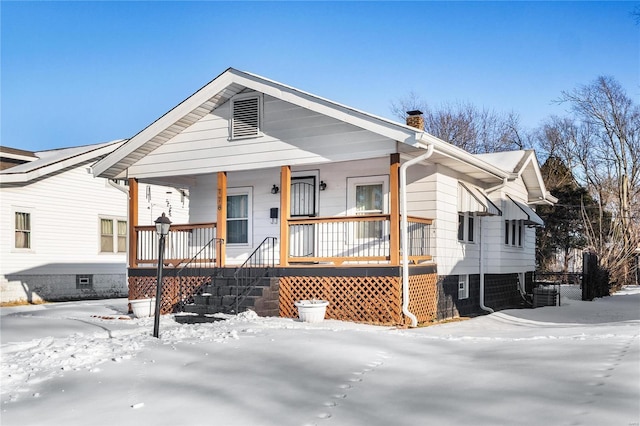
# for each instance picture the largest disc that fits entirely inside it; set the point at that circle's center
(114, 220)
(353, 182)
(243, 96)
(248, 191)
(465, 226)
(463, 287)
(32, 245)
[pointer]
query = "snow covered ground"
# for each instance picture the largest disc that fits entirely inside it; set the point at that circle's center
(77, 363)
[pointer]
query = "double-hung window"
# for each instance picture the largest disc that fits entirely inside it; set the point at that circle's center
(113, 235)
(466, 227)
(22, 230)
(513, 233)
(239, 216)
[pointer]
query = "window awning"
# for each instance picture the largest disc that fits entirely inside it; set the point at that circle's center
(472, 200)
(520, 211)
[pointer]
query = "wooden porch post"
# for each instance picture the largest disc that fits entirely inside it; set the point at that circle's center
(221, 219)
(394, 210)
(132, 220)
(285, 211)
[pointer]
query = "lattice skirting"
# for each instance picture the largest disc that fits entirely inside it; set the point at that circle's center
(374, 300)
(423, 297)
(172, 289)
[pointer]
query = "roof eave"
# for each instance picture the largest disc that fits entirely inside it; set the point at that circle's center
(453, 151)
(24, 177)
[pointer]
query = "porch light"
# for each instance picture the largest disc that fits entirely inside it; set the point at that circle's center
(275, 189)
(162, 228)
(323, 185)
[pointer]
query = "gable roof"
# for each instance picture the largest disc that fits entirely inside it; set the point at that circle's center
(52, 161)
(524, 164)
(232, 82)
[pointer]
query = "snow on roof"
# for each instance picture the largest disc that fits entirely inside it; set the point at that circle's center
(509, 161)
(50, 161)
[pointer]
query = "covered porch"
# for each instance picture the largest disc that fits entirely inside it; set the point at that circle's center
(354, 261)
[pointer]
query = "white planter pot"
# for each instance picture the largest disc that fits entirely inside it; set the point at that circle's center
(143, 307)
(311, 310)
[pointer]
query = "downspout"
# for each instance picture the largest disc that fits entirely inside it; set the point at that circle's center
(404, 224)
(481, 269)
(481, 263)
(118, 187)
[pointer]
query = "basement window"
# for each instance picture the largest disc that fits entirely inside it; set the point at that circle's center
(463, 287)
(245, 117)
(84, 281)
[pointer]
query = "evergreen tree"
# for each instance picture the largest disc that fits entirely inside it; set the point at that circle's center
(567, 223)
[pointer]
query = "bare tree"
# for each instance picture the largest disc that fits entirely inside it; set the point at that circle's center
(466, 126)
(602, 146)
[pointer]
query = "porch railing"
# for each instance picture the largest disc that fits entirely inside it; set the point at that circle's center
(185, 243)
(353, 239)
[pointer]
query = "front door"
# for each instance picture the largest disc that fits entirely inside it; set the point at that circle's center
(303, 204)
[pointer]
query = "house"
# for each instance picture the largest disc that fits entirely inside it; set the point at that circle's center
(388, 223)
(64, 232)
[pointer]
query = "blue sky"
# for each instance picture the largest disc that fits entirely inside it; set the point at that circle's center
(76, 73)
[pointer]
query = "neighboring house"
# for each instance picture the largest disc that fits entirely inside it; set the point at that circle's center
(327, 196)
(63, 231)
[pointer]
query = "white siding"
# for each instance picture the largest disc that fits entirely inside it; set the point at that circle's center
(506, 259)
(331, 202)
(153, 200)
(66, 209)
(292, 136)
(432, 192)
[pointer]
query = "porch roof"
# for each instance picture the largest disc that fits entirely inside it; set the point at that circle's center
(220, 90)
(232, 82)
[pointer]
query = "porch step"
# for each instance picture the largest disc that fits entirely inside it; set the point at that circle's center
(220, 297)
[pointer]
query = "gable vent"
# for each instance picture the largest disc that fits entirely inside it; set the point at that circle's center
(246, 118)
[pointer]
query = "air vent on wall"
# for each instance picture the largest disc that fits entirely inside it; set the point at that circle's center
(246, 118)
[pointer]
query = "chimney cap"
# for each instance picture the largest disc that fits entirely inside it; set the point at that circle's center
(414, 112)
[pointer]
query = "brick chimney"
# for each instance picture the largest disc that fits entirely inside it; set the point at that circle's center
(415, 119)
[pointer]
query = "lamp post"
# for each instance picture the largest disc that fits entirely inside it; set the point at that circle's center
(162, 228)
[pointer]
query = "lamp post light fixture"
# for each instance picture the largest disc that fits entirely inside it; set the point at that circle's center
(162, 228)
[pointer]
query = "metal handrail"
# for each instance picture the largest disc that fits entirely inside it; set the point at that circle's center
(219, 242)
(245, 275)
